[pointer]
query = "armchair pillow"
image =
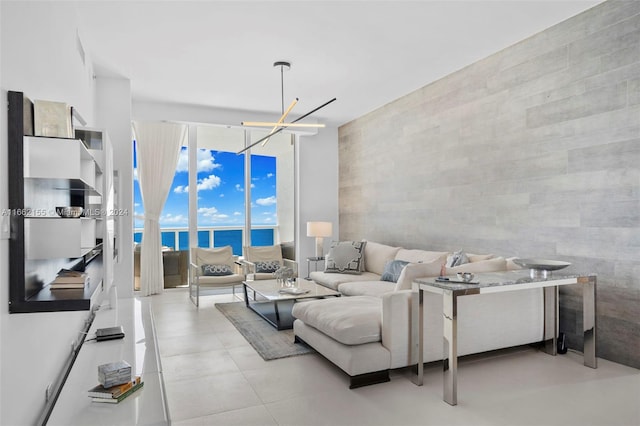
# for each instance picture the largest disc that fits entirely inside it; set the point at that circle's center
(345, 257)
(216, 270)
(267, 266)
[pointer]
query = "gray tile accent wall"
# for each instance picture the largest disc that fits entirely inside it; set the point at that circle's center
(531, 152)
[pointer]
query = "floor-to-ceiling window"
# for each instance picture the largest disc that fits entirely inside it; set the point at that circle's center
(240, 199)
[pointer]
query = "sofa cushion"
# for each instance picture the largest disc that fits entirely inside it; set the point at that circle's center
(345, 257)
(392, 270)
(478, 257)
(366, 288)
(511, 265)
(417, 270)
(489, 265)
(349, 320)
(376, 255)
(422, 256)
(332, 280)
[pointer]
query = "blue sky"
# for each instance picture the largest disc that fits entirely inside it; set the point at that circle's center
(221, 189)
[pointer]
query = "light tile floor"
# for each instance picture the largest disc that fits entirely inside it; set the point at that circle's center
(214, 377)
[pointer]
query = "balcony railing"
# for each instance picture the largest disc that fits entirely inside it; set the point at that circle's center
(214, 236)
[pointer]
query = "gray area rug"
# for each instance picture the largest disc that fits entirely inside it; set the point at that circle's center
(265, 339)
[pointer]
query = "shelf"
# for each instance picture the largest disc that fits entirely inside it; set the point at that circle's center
(43, 157)
(64, 184)
(47, 300)
(50, 238)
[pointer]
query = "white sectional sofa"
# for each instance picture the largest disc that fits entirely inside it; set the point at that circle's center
(369, 332)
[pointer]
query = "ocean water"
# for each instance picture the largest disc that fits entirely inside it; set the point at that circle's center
(223, 237)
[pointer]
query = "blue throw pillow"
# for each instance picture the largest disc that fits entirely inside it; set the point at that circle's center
(216, 270)
(392, 270)
(267, 266)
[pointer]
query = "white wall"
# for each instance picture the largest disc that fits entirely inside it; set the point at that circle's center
(39, 57)
(113, 113)
(317, 189)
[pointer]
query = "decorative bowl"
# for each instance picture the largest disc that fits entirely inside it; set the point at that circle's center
(69, 211)
(465, 276)
(540, 268)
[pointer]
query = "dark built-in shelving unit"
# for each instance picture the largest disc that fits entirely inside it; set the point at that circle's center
(29, 278)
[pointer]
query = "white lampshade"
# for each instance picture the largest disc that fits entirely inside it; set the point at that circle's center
(319, 229)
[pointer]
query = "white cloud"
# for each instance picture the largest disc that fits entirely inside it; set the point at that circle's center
(237, 214)
(181, 189)
(207, 211)
(210, 182)
(270, 175)
(239, 188)
(174, 220)
(135, 174)
(206, 161)
(212, 214)
(269, 201)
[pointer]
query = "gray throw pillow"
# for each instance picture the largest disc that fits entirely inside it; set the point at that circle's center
(392, 270)
(267, 266)
(216, 270)
(457, 258)
(345, 257)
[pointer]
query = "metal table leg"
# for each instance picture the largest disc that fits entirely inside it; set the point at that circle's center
(417, 333)
(450, 340)
(551, 319)
(589, 321)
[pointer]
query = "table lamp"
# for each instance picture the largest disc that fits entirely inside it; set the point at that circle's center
(319, 230)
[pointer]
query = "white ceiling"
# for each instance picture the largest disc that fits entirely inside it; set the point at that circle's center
(365, 53)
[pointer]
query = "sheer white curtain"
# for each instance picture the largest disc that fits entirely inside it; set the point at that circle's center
(158, 149)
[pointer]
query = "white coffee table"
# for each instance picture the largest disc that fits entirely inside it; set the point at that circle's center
(274, 306)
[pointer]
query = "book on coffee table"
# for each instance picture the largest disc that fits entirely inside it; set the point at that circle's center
(293, 290)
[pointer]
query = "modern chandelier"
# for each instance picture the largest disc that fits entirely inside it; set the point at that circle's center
(280, 125)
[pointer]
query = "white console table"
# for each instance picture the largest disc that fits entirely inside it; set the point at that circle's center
(147, 406)
(494, 283)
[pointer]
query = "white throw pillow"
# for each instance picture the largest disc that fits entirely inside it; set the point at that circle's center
(345, 257)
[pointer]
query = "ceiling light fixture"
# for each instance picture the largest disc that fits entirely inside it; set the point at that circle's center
(280, 125)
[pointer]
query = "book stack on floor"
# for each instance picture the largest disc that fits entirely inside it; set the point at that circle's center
(68, 279)
(116, 393)
(115, 383)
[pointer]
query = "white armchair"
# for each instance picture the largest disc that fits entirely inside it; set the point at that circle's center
(260, 262)
(213, 267)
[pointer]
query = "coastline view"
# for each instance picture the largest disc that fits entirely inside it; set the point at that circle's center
(221, 201)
